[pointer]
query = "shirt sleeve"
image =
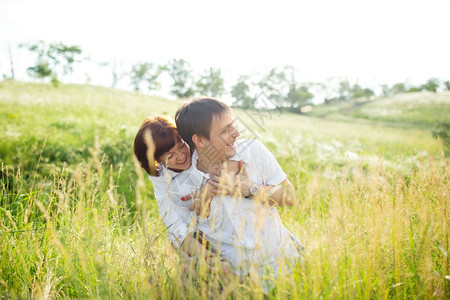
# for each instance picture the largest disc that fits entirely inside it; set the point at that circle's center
(176, 228)
(271, 172)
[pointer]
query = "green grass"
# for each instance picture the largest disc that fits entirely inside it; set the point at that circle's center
(78, 218)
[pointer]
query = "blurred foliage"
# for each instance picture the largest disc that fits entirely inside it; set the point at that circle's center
(210, 83)
(180, 71)
(53, 60)
(241, 93)
(145, 72)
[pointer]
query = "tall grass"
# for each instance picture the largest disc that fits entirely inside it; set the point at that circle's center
(377, 235)
(375, 225)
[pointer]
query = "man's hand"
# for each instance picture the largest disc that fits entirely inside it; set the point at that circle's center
(232, 179)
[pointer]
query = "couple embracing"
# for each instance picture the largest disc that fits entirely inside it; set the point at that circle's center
(217, 191)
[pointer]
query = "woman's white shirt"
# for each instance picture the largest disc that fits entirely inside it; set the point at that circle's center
(169, 187)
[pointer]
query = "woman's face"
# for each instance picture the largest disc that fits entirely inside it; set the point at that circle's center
(178, 158)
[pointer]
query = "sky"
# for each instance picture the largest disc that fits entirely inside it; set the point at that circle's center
(369, 42)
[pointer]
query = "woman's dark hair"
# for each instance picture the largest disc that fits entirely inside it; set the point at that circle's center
(159, 134)
(195, 117)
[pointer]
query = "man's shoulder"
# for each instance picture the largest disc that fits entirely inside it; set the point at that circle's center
(248, 145)
(260, 162)
(248, 149)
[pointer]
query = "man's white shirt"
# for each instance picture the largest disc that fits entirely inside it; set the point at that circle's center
(245, 232)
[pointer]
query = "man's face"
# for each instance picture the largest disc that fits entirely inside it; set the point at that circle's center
(222, 136)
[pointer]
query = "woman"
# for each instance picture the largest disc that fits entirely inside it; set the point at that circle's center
(164, 155)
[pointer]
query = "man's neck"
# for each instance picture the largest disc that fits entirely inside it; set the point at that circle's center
(208, 165)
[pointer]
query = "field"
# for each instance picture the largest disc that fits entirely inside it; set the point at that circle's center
(78, 219)
(420, 110)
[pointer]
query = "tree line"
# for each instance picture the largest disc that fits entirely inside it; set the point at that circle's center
(53, 61)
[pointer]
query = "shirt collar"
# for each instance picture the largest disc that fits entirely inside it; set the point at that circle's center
(195, 170)
(237, 157)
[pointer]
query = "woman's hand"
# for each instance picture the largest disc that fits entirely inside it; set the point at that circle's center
(201, 199)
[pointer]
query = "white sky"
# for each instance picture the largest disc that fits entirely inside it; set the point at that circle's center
(383, 41)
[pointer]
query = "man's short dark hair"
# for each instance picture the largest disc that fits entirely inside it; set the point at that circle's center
(196, 116)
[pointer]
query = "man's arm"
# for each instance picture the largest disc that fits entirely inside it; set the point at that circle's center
(282, 194)
(280, 189)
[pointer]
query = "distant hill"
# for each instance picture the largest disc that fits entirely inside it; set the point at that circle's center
(421, 110)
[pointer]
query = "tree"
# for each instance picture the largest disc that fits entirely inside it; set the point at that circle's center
(211, 83)
(276, 84)
(398, 88)
(385, 90)
(431, 85)
(145, 72)
(298, 96)
(65, 56)
(447, 85)
(344, 90)
(53, 60)
(241, 92)
(183, 82)
(137, 75)
(40, 70)
(414, 89)
(358, 92)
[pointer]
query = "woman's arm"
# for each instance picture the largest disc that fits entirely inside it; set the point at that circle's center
(177, 229)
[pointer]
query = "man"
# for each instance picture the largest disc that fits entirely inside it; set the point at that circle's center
(243, 227)
(206, 124)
